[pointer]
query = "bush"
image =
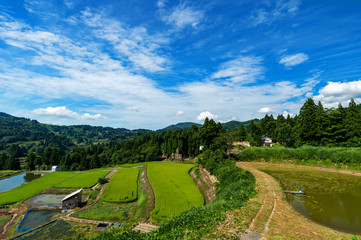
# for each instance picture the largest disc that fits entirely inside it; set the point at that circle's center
(102, 181)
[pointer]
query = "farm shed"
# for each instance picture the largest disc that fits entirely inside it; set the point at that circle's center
(266, 141)
(55, 169)
(72, 200)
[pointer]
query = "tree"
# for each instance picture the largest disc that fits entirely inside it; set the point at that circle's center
(242, 134)
(353, 121)
(308, 129)
(31, 161)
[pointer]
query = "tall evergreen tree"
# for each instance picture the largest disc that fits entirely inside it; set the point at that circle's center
(308, 129)
(353, 121)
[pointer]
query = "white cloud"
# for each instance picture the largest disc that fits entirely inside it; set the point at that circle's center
(244, 69)
(295, 59)
(161, 3)
(339, 92)
(203, 115)
(265, 110)
(285, 114)
(280, 10)
(63, 112)
(179, 113)
(182, 16)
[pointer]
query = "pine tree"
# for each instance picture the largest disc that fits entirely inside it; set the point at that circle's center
(308, 129)
(353, 121)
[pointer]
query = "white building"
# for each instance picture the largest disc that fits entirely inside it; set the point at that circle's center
(55, 169)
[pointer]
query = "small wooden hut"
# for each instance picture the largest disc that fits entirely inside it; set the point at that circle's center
(72, 200)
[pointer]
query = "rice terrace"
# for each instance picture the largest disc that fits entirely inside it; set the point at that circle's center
(159, 119)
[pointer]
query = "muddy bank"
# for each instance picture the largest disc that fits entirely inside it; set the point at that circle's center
(205, 183)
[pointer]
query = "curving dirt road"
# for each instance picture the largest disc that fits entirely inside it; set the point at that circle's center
(276, 219)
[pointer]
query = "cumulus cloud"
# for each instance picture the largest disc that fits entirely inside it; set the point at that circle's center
(203, 115)
(244, 69)
(265, 110)
(295, 59)
(182, 16)
(286, 114)
(339, 92)
(63, 112)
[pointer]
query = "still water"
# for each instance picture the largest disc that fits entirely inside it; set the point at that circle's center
(13, 182)
(330, 199)
(36, 218)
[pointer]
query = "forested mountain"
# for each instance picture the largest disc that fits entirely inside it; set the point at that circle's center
(20, 136)
(179, 126)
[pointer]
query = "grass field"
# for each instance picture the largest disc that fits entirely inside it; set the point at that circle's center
(174, 190)
(84, 180)
(122, 187)
(32, 188)
(104, 211)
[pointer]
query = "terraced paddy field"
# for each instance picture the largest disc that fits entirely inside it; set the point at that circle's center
(84, 180)
(32, 188)
(122, 187)
(174, 190)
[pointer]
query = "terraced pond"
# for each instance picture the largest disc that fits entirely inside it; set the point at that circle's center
(12, 182)
(330, 199)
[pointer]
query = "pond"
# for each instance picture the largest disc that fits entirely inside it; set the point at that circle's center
(13, 182)
(35, 218)
(330, 199)
(46, 200)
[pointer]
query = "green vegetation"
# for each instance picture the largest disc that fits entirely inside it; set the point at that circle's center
(105, 211)
(4, 219)
(83, 180)
(63, 230)
(174, 190)
(235, 187)
(122, 187)
(32, 188)
(305, 155)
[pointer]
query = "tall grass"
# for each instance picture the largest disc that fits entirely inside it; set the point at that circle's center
(304, 155)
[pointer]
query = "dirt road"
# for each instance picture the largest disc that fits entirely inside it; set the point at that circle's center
(276, 219)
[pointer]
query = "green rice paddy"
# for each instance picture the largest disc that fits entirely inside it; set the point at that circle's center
(122, 187)
(84, 180)
(32, 188)
(175, 191)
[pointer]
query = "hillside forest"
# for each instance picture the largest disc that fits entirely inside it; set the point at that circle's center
(31, 145)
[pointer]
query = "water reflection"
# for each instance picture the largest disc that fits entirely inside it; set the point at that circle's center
(13, 182)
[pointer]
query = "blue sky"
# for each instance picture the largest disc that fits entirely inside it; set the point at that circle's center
(149, 64)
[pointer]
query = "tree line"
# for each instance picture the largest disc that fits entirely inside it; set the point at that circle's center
(315, 126)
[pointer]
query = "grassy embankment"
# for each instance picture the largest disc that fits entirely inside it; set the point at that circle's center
(174, 190)
(4, 219)
(84, 180)
(349, 158)
(32, 188)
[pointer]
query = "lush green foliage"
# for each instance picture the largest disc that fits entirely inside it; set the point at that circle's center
(174, 190)
(20, 137)
(104, 211)
(314, 126)
(32, 188)
(347, 156)
(235, 187)
(141, 149)
(122, 187)
(83, 180)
